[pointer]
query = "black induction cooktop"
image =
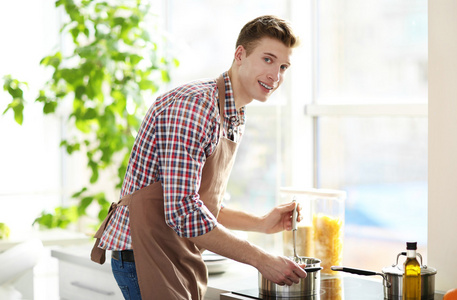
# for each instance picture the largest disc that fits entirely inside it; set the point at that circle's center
(332, 288)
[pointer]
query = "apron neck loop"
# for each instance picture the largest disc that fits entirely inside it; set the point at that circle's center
(221, 87)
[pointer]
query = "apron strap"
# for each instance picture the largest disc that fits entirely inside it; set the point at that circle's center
(221, 88)
(97, 254)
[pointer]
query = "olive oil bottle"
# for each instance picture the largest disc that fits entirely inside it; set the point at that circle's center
(412, 275)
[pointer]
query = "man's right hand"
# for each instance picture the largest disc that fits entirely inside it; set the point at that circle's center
(281, 270)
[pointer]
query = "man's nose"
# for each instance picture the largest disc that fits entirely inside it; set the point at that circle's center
(275, 74)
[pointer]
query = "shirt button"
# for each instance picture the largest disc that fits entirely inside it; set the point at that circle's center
(234, 120)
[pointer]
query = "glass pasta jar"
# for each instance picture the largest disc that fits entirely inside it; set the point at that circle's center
(328, 227)
(320, 233)
(305, 234)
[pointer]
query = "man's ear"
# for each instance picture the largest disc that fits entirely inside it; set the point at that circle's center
(239, 53)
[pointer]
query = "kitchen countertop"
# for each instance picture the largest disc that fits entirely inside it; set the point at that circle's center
(80, 255)
(237, 276)
(51, 237)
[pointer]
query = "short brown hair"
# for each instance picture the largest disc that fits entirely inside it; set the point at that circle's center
(266, 26)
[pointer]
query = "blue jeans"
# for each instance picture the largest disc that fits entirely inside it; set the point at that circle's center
(125, 274)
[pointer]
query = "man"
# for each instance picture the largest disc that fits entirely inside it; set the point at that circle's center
(170, 207)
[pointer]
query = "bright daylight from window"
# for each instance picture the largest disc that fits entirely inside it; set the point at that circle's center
(374, 53)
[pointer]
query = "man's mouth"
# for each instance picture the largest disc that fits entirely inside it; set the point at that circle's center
(265, 85)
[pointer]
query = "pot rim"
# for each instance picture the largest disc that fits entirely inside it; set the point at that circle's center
(309, 261)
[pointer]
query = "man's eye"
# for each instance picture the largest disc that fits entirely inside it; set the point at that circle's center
(284, 67)
(267, 59)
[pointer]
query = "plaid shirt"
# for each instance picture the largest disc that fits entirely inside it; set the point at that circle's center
(178, 133)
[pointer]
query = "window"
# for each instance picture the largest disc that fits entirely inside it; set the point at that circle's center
(370, 118)
(371, 52)
(30, 157)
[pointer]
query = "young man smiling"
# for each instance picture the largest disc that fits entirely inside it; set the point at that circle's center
(170, 208)
(259, 70)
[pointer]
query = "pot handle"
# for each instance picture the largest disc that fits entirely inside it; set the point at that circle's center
(312, 269)
(362, 272)
(355, 271)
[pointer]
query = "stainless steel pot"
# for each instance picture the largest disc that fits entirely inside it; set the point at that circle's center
(306, 287)
(393, 279)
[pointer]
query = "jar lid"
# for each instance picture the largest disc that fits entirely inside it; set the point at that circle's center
(314, 192)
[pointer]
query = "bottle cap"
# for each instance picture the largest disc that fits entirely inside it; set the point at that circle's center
(411, 245)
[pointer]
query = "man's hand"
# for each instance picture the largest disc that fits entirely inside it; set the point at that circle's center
(280, 218)
(281, 270)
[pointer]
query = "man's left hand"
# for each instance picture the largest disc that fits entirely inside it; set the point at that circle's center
(280, 218)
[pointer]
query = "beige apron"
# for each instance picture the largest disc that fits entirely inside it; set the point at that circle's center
(168, 266)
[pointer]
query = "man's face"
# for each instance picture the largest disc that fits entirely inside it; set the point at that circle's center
(262, 71)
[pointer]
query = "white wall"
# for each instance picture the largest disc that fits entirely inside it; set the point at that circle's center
(442, 218)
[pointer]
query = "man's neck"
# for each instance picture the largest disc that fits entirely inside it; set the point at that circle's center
(240, 99)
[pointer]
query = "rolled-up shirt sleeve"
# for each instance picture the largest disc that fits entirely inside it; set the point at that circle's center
(186, 134)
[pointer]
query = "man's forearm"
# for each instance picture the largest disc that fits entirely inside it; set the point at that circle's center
(221, 241)
(239, 220)
(278, 269)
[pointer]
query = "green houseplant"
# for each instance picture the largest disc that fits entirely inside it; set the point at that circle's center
(114, 64)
